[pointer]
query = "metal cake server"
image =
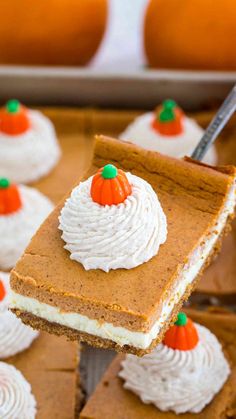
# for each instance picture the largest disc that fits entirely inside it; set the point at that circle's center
(225, 112)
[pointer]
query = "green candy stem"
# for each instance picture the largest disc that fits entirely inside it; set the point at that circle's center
(109, 171)
(181, 319)
(4, 183)
(13, 106)
(167, 113)
(169, 104)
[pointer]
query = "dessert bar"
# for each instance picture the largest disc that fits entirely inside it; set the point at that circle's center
(67, 281)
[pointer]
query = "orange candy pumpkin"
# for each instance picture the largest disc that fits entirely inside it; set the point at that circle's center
(10, 200)
(169, 119)
(183, 335)
(110, 186)
(14, 119)
(2, 291)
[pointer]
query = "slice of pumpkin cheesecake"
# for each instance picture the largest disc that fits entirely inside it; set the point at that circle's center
(114, 262)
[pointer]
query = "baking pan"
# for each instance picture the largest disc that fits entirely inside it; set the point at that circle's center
(140, 88)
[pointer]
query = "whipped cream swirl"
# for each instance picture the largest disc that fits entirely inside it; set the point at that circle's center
(14, 335)
(27, 157)
(17, 229)
(141, 133)
(116, 236)
(16, 398)
(181, 381)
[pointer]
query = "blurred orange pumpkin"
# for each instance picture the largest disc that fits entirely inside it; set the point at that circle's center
(14, 119)
(10, 199)
(191, 34)
(51, 32)
(2, 291)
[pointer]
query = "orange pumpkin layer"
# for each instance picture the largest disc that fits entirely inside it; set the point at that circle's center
(66, 32)
(196, 34)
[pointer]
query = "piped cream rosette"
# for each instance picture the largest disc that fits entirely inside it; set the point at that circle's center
(16, 398)
(113, 220)
(167, 131)
(22, 210)
(15, 337)
(28, 144)
(182, 374)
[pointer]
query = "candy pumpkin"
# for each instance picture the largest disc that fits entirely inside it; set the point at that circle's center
(196, 34)
(49, 32)
(183, 335)
(14, 119)
(110, 186)
(2, 291)
(168, 119)
(10, 200)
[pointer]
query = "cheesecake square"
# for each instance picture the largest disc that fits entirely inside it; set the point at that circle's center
(128, 310)
(111, 400)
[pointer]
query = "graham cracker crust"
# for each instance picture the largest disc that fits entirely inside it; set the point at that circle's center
(72, 334)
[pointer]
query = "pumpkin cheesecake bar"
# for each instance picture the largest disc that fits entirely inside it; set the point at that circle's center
(132, 397)
(113, 263)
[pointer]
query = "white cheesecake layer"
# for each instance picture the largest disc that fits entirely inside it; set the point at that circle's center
(121, 335)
